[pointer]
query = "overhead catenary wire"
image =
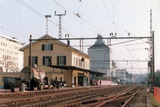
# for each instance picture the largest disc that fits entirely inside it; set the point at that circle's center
(41, 15)
(157, 18)
(114, 22)
(123, 29)
(2, 17)
(73, 18)
(80, 17)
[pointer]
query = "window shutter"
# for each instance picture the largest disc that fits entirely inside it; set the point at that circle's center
(51, 45)
(36, 60)
(57, 60)
(50, 60)
(43, 60)
(64, 60)
(42, 47)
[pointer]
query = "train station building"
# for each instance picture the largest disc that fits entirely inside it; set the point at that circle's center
(60, 61)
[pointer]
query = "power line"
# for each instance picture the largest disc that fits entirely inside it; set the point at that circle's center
(13, 32)
(136, 43)
(108, 12)
(39, 14)
(80, 17)
(157, 16)
(124, 42)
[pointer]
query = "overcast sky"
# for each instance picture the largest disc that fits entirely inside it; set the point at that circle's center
(87, 18)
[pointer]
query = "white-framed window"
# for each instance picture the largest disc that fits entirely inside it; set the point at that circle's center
(47, 47)
(61, 60)
(47, 60)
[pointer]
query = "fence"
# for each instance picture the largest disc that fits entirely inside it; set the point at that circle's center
(157, 94)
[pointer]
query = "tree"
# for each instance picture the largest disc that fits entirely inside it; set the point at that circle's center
(157, 78)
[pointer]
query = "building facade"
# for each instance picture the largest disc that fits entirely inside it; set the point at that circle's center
(100, 56)
(11, 58)
(123, 76)
(60, 61)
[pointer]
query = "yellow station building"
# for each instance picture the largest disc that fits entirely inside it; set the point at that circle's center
(60, 61)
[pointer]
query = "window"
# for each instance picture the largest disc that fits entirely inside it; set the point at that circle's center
(34, 60)
(60, 78)
(76, 61)
(61, 60)
(75, 81)
(47, 60)
(80, 63)
(56, 78)
(47, 47)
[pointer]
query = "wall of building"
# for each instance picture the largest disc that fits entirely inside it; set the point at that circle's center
(58, 50)
(123, 75)
(53, 76)
(11, 59)
(80, 73)
(77, 60)
(69, 76)
(99, 59)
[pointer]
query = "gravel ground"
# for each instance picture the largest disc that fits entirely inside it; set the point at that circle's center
(140, 99)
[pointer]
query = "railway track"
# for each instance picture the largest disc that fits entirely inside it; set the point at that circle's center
(100, 96)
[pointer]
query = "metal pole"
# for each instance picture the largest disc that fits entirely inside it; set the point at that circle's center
(30, 63)
(60, 23)
(153, 68)
(93, 38)
(47, 16)
(60, 26)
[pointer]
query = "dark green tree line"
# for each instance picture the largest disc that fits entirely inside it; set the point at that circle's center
(157, 78)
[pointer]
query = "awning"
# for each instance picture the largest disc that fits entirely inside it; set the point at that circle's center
(77, 68)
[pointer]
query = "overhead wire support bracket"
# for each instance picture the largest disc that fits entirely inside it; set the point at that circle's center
(94, 38)
(60, 23)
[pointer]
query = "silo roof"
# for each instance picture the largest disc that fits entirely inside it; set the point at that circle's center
(99, 43)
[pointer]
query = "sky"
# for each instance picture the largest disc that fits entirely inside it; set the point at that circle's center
(88, 18)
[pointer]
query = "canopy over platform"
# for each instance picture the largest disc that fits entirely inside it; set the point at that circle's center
(77, 68)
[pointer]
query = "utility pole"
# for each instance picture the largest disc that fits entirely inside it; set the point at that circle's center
(150, 52)
(60, 23)
(30, 63)
(153, 60)
(47, 16)
(152, 57)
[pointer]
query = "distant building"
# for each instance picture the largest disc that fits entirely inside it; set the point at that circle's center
(11, 58)
(100, 56)
(123, 76)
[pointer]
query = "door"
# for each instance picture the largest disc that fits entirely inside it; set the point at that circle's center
(80, 80)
